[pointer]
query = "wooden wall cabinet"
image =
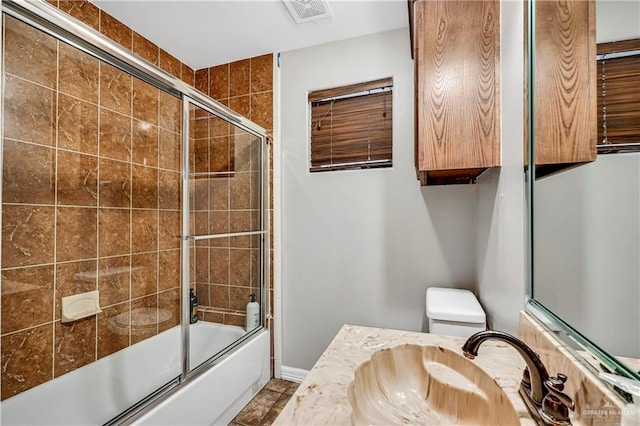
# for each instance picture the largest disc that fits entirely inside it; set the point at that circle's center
(456, 50)
(565, 98)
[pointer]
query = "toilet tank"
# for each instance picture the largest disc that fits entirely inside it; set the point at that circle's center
(454, 312)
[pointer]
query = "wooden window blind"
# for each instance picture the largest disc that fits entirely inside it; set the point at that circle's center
(618, 87)
(351, 126)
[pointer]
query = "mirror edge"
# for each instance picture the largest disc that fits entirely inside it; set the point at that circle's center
(565, 335)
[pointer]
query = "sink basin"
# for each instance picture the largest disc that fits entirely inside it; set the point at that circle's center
(420, 385)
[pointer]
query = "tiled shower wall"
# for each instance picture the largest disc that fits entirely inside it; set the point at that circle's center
(245, 86)
(91, 192)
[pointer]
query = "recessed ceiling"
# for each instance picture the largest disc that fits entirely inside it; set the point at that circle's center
(207, 33)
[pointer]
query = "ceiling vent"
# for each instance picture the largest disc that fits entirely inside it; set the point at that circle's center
(307, 10)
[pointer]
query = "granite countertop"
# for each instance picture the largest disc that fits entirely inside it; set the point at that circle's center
(321, 399)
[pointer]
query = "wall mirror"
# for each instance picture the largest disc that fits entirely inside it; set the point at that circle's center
(584, 124)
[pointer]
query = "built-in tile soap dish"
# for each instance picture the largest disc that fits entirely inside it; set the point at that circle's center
(80, 306)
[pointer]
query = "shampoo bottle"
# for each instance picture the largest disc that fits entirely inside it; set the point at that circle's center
(253, 313)
(193, 303)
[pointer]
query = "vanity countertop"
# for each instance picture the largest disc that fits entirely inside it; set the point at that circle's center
(321, 399)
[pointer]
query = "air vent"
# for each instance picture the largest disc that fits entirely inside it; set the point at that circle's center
(307, 10)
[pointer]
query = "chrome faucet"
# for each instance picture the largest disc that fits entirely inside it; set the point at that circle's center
(542, 394)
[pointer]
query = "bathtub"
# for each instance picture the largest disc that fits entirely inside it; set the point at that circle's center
(96, 393)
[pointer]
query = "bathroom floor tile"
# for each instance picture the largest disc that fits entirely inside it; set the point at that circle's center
(267, 404)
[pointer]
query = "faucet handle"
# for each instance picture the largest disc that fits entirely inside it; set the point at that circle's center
(556, 405)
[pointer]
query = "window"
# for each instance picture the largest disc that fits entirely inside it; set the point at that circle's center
(351, 126)
(618, 95)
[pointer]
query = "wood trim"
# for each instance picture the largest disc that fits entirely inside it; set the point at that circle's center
(345, 90)
(619, 46)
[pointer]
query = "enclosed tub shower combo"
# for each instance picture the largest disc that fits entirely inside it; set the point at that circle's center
(123, 188)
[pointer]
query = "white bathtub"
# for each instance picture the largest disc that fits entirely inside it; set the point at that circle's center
(97, 392)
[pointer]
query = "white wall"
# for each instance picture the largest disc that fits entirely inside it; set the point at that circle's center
(617, 20)
(361, 247)
(587, 250)
(500, 265)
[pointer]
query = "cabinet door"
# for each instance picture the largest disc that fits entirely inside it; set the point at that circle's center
(458, 80)
(565, 84)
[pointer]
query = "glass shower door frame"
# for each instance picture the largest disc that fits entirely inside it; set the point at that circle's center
(61, 26)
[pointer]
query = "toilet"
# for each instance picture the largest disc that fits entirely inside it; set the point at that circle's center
(454, 312)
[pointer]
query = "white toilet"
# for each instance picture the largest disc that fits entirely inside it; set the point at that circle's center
(454, 312)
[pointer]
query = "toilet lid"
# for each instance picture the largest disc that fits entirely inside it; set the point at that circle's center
(452, 304)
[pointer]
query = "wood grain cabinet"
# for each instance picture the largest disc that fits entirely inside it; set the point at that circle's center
(456, 53)
(565, 98)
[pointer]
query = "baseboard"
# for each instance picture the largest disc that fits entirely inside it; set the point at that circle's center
(294, 374)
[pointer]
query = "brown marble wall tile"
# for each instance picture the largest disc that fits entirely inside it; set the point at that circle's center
(201, 155)
(145, 49)
(218, 127)
(219, 296)
(75, 345)
(201, 128)
(239, 297)
(144, 274)
(114, 183)
(78, 74)
(114, 232)
(235, 319)
(144, 225)
(115, 30)
(219, 194)
(76, 233)
(262, 109)
(169, 269)
(169, 150)
(28, 175)
(82, 10)
(145, 102)
(169, 229)
(202, 292)
(145, 187)
(170, 64)
(27, 359)
(219, 154)
(169, 190)
(170, 112)
(169, 301)
(241, 105)
(29, 111)
(213, 317)
(239, 78)
(240, 221)
(202, 265)
(242, 152)
(115, 89)
(219, 82)
(262, 73)
(255, 198)
(202, 80)
(199, 197)
(77, 183)
(27, 297)
(144, 318)
(77, 125)
(240, 191)
(27, 235)
(188, 75)
(30, 53)
(113, 329)
(74, 278)
(114, 276)
(145, 143)
(219, 266)
(240, 267)
(219, 222)
(115, 135)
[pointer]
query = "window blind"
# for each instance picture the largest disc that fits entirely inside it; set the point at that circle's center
(351, 126)
(618, 93)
